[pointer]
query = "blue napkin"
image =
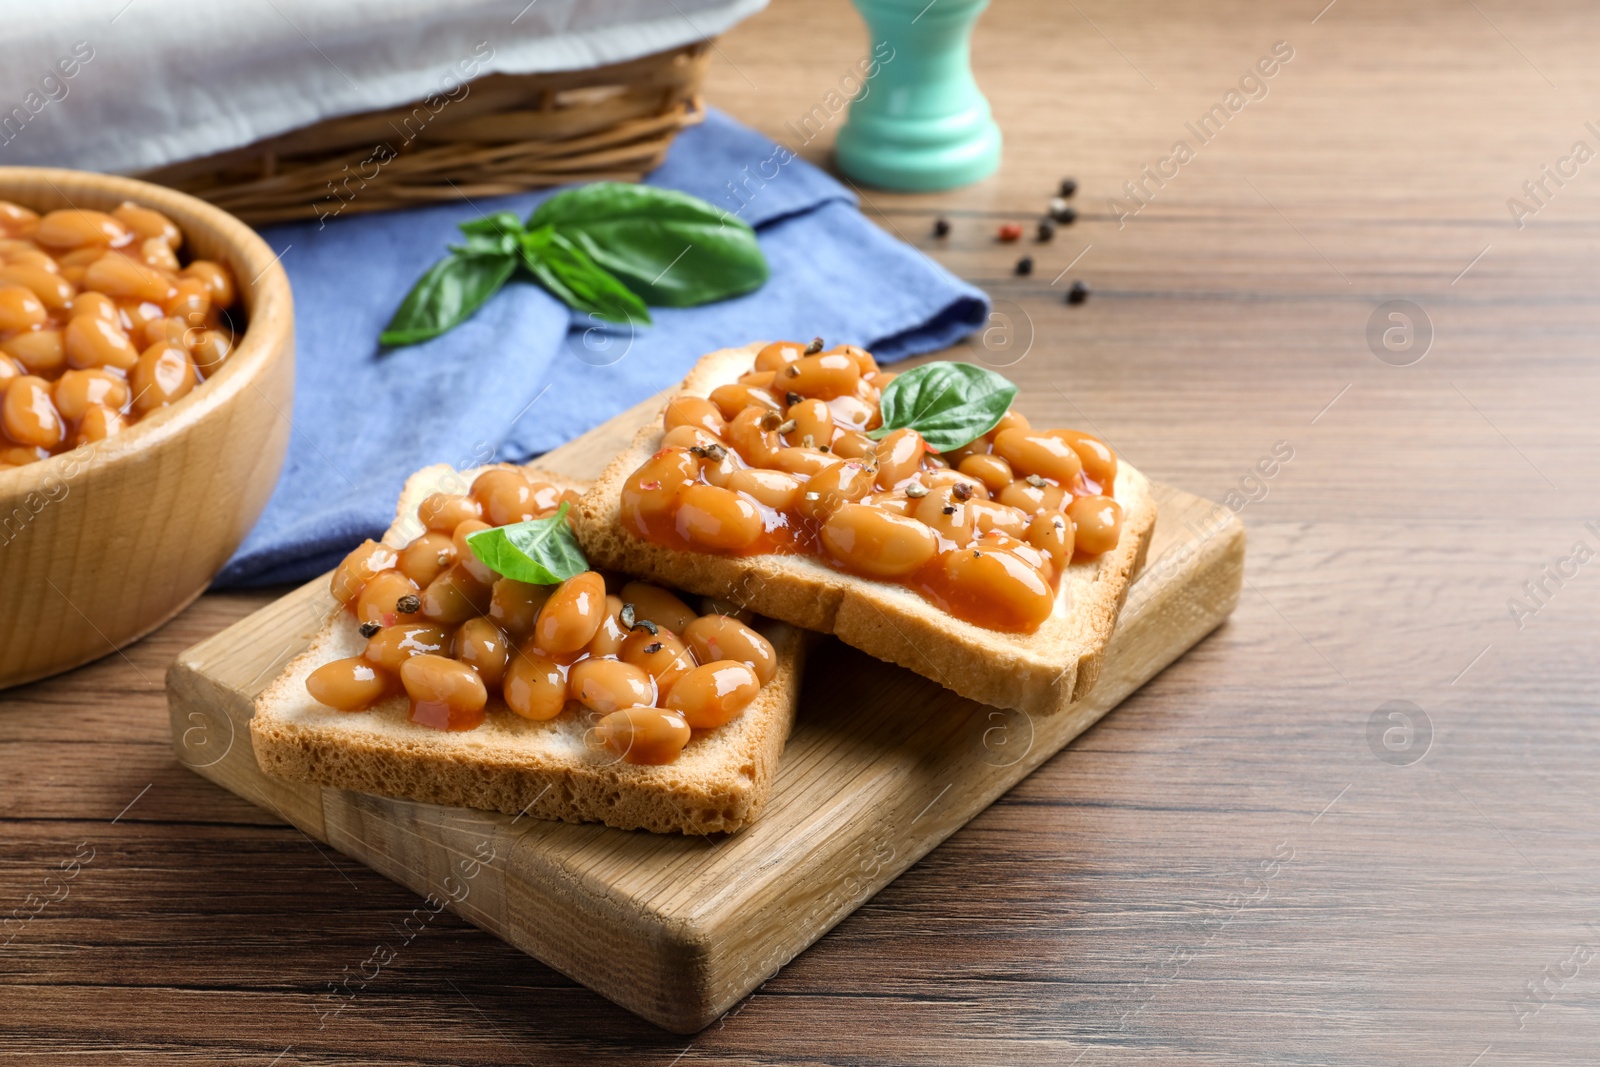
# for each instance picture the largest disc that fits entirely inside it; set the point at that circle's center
(525, 373)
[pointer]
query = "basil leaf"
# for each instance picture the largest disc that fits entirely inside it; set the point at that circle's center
(541, 552)
(672, 249)
(949, 404)
(575, 279)
(446, 296)
(495, 234)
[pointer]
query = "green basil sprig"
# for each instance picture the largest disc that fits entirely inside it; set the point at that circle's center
(541, 551)
(949, 404)
(608, 249)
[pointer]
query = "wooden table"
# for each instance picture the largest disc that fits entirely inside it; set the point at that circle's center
(1237, 866)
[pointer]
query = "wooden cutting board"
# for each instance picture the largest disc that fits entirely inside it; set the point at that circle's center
(883, 765)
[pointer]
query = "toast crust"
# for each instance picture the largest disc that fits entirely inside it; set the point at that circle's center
(1040, 673)
(514, 765)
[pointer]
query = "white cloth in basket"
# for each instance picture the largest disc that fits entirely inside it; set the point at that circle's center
(126, 85)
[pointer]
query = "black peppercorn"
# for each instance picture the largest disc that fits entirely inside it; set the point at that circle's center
(1069, 186)
(368, 629)
(409, 604)
(1025, 265)
(1047, 230)
(941, 227)
(1078, 293)
(1064, 213)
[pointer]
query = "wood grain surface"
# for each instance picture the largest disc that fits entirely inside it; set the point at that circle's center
(1222, 872)
(879, 769)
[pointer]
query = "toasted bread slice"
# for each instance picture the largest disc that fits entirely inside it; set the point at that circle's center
(511, 764)
(1041, 673)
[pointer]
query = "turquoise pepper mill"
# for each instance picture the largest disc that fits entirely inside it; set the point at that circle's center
(921, 124)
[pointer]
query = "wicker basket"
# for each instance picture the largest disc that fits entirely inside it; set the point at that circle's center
(506, 134)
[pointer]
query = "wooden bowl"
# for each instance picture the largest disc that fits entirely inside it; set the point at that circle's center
(102, 544)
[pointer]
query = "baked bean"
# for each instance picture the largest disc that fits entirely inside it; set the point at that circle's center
(20, 308)
(694, 411)
(853, 444)
(189, 301)
(569, 619)
(70, 228)
(651, 493)
(993, 471)
(91, 341)
(775, 355)
(1096, 521)
(445, 511)
(690, 437)
(99, 423)
(53, 291)
(607, 640)
(899, 457)
(211, 349)
(455, 596)
(164, 375)
(39, 351)
(840, 484)
(754, 434)
(1044, 454)
(806, 461)
(852, 413)
(1051, 532)
(881, 379)
(465, 557)
(720, 464)
(1003, 542)
(651, 603)
(9, 370)
(140, 315)
(1011, 420)
(358, 568)
(29, 416)
(426, 557)
(380, 598)
(877, 543)
(156, 253)
(514, 605)
(393, 645)
(349, 684)
(813, 424)
(147, 223)
(863, 359)
(774, 489)
(16, 220)
(997, 587)
(718, 637)
(535, 686)
(663, 656)
(647, 736)
(717, 519)
(714, 694)
(100, 306)
(607, 685)
(758, 379)
(484, 647)
(987, 516)
(1033, 499)
(116, 275)
(734, 397)
(164, 331)
(505, 496)
(217, 279)
(894, 501)
(77, 390)
(445, 693)
(947, 516)
(824, 376)
(19, 456)
(1099, 462)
